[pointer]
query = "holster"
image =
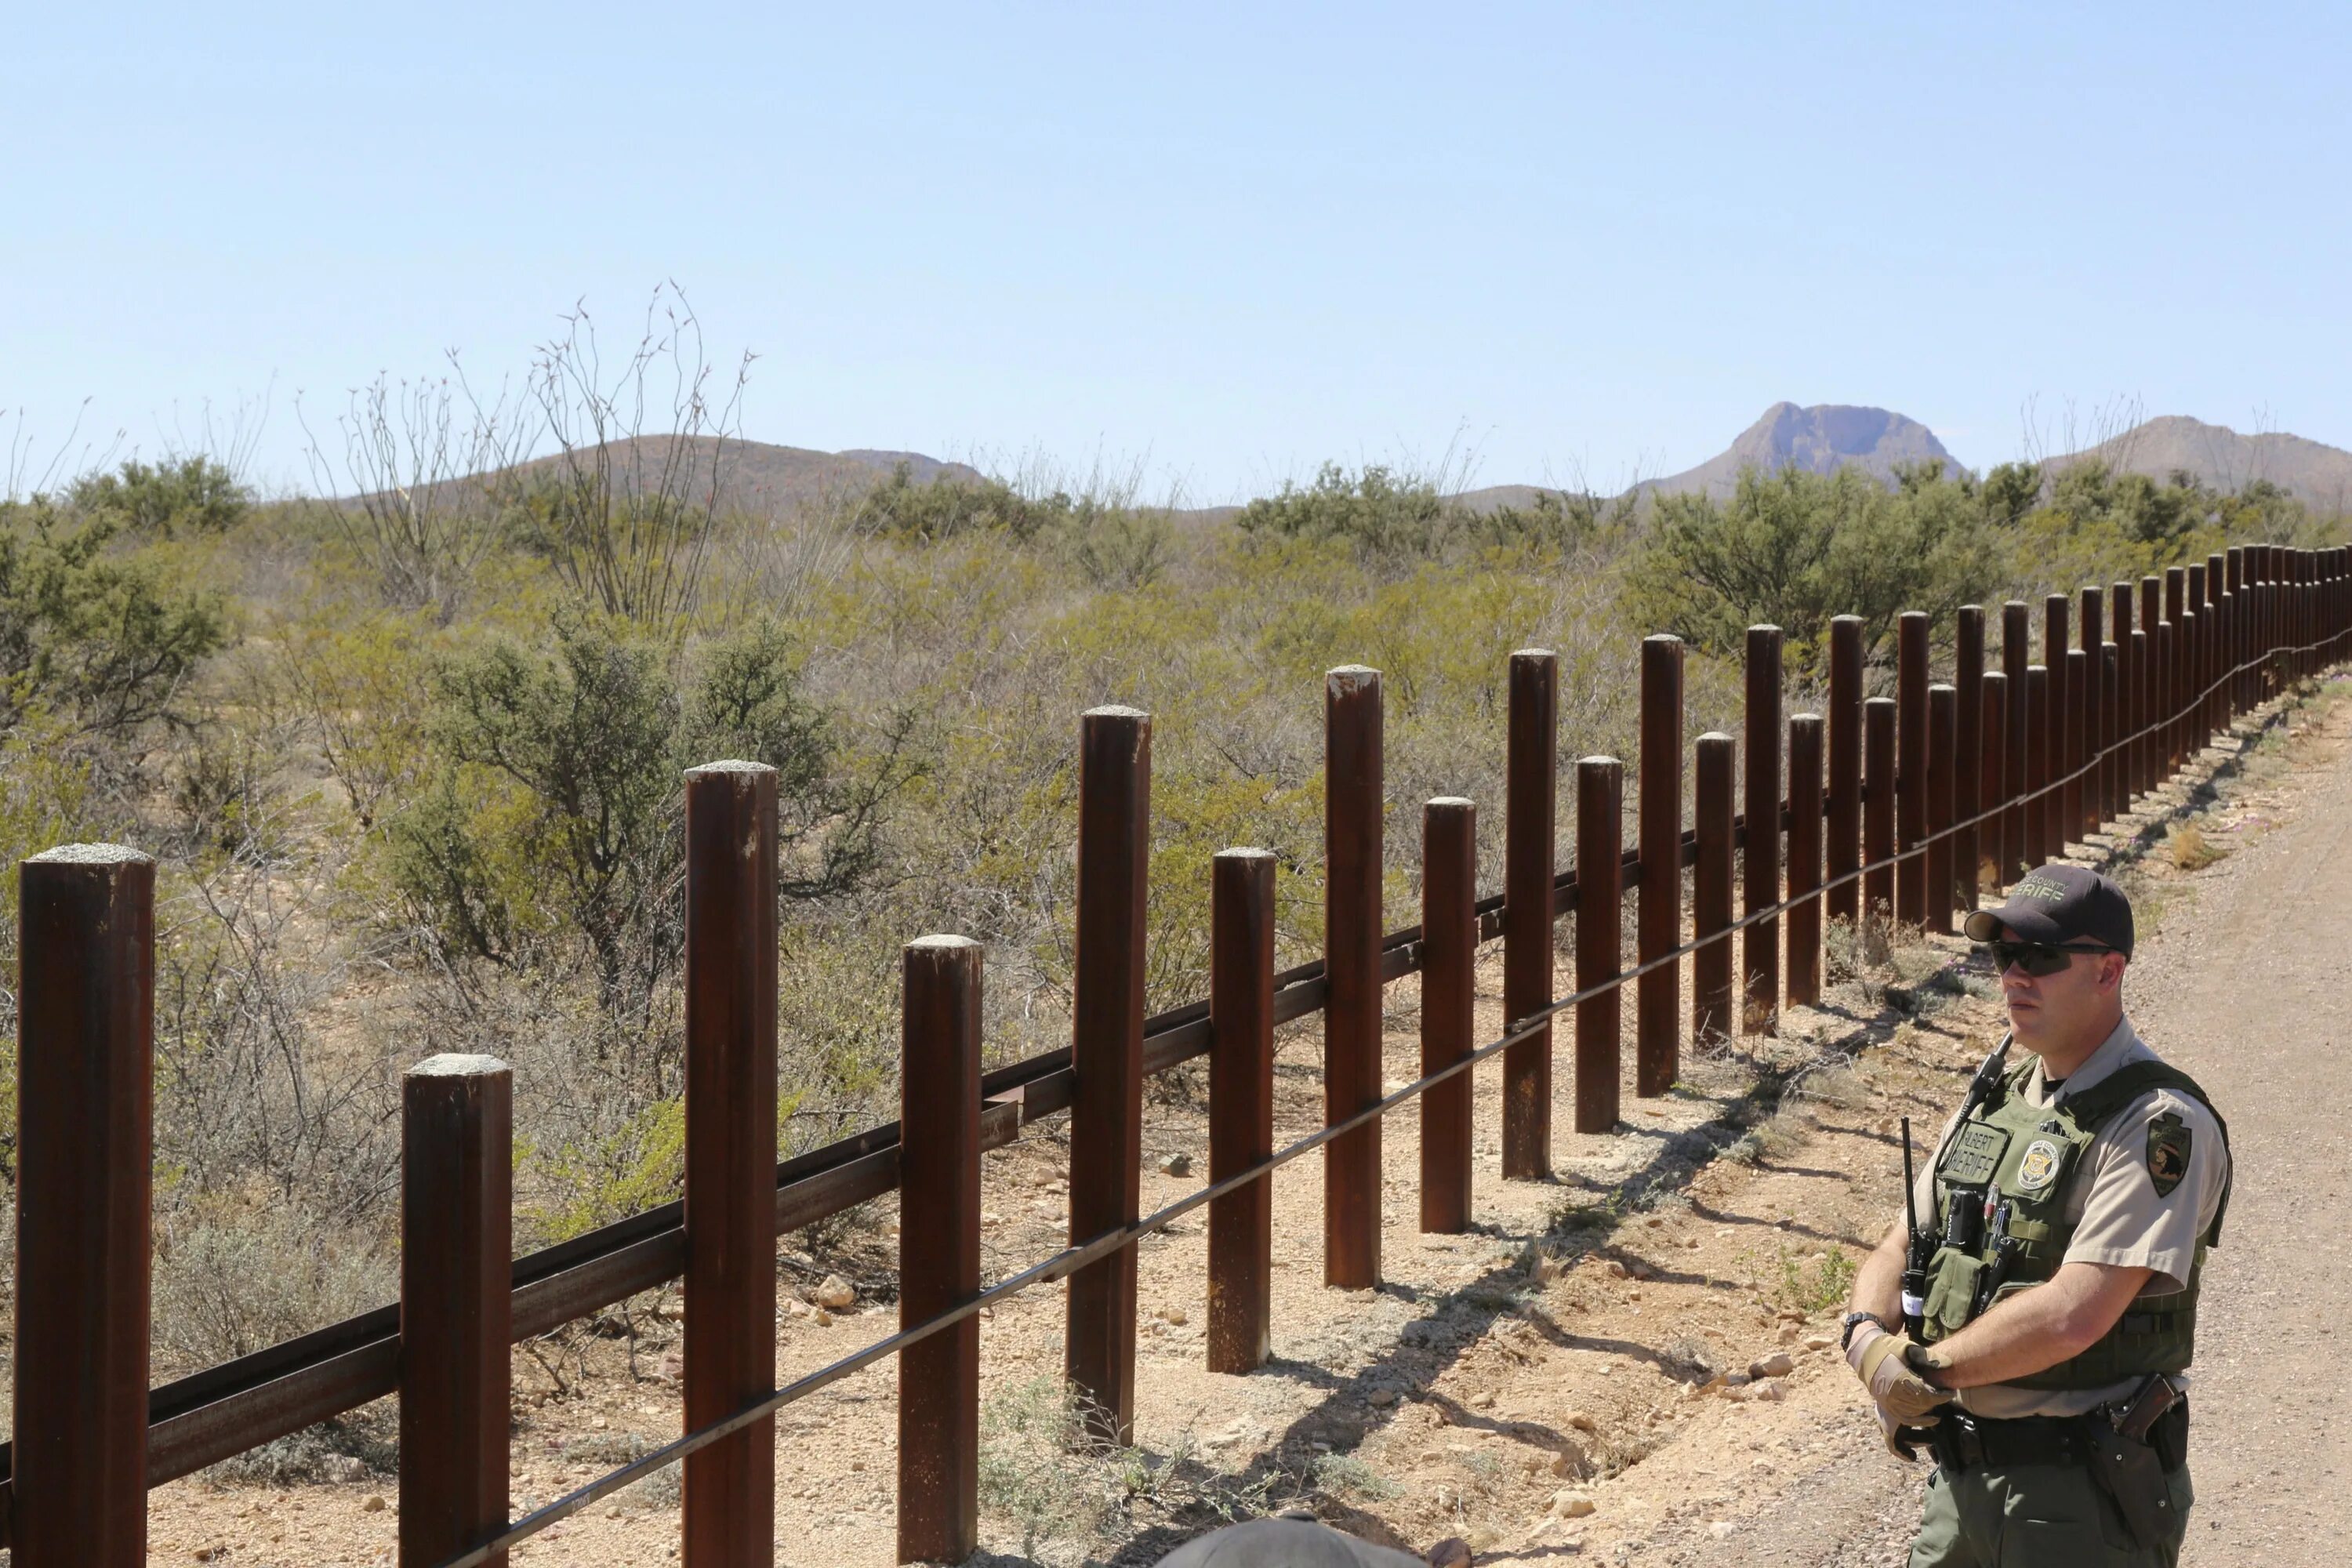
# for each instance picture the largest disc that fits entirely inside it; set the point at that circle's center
(2132, 1472)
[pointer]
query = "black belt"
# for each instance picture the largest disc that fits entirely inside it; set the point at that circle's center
(1964, 1442)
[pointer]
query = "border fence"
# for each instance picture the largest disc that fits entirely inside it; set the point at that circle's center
(1916, 804)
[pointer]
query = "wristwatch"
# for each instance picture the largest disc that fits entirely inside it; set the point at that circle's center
(1851, 1322)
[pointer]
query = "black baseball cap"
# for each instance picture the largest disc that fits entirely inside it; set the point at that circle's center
(2060, 903)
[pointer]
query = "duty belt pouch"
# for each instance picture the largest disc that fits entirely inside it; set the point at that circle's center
(2133, 1475)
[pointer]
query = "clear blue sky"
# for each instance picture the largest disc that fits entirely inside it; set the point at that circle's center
(1576, 239)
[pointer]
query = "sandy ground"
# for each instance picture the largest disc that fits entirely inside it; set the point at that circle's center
(1572, 1379)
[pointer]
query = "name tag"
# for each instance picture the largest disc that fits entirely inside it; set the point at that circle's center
(1975, 1156)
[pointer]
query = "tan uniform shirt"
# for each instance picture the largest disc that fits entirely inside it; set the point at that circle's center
(2113, 1203)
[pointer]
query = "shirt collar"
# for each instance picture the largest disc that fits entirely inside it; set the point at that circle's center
(2120, 1046)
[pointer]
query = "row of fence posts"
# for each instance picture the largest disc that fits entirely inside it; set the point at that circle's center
(1871, 778)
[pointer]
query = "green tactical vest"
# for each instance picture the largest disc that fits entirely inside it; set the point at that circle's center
(2030, 1152)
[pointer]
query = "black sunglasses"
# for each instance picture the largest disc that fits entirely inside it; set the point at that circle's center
(2036, 958)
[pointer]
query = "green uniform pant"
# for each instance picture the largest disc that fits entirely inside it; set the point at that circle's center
(2036, 1516)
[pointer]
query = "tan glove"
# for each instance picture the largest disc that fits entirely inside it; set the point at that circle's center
(1876, 1358)
(1892, 1429)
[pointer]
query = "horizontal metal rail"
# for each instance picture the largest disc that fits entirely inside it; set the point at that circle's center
(1071, 1258)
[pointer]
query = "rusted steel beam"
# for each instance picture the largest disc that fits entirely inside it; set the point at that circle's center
(1911, 768)
(728, 1497)
(1449, 896)
(2176, 691)
(1107, 1053)
(1992, 773)
(2038, 771)
(939, 1249)
(1804, 858)
(1712, 1018)
(2111, 697)
(2140, 710)
(1600, 938)
(2204, 643)
(1760, 855)
(85, 1099)
(2120, 782)
(1241, 1106)
(1943, 774)
(2016, 653)
(1967, 682)
(2090, 801)
(2151, 748)
(1878, 807)
(1841, 841)
(1531, 786)
(456, 1215)
(2237, 584)
(2079, 744)
(2058, 721)
(1658, 995)
(1351, 1019)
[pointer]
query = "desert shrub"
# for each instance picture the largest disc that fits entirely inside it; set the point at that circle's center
(1794, 549)
(104, 640)
(903, 508)
(364, 683)
(181, 495)
(231, 1277)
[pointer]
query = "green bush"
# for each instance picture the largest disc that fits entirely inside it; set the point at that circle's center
(104, 640)
(188, 495)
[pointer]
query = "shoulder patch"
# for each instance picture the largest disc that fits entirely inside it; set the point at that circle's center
(2168, 1142)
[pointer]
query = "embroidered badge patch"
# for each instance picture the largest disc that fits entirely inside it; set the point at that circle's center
(2167, 1153)
(2039, 1166)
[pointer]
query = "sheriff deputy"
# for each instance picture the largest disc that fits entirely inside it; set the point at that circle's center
(2034, 1330)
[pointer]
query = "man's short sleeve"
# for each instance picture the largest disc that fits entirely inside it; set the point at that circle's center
(2153, 1181)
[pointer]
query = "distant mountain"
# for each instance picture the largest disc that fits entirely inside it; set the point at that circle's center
(2318, 475)
(1820, 440)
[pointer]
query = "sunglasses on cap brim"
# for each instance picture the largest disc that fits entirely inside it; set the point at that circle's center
(2036, 958)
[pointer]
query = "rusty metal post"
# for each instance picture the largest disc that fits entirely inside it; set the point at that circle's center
(1843, 839)
(1449, 937)
(2151, 685)
(1711, 1016)
(2222, 641)
(730, 1493)
(1760, 855)
(1241, 1102)
(85, 1102)
(1599, 938)
(2121, 785)
(2038, 771)
(1968, 680)
(1878, 807)
(2239, 579)
(2191, 642)
(1911, 767)
(2090, 798)
(1658, 995)
(1804, 858)
(2176, 605)
(2057, 721)
(1992, 772)
(939, 1249)
(1107, 1052)
(2203, 643)
(2016, 654)
(1351, 1018)
(2110, 684)
(1530, 787)
(2078, 743)
(2141, 710)
(457, 1220)
(1943, 774)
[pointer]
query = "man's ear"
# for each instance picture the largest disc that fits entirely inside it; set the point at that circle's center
(2111, 970)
